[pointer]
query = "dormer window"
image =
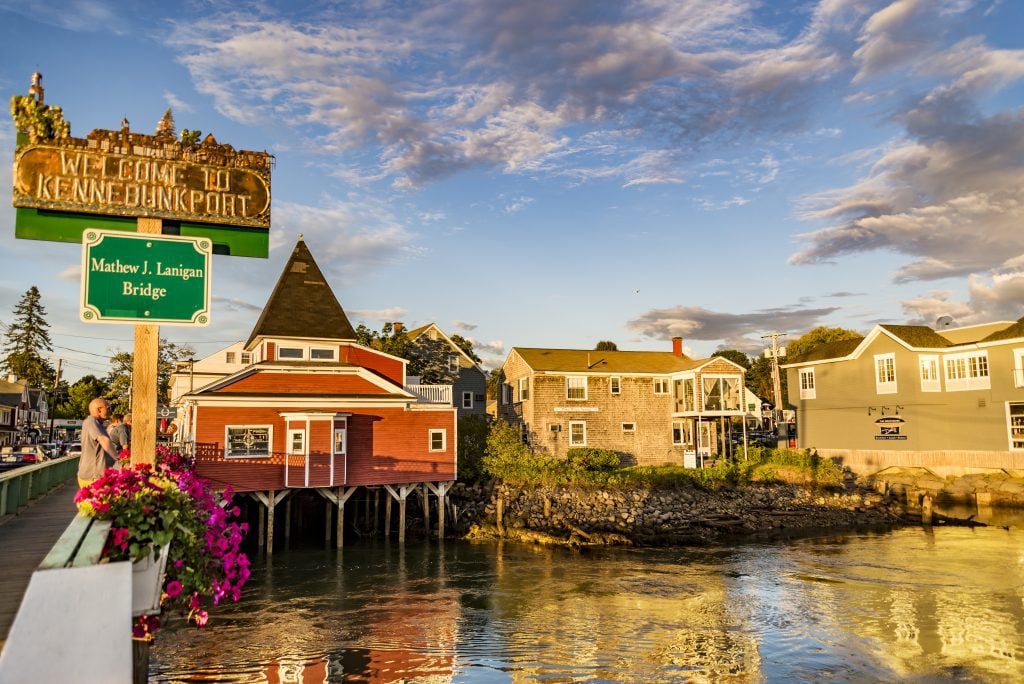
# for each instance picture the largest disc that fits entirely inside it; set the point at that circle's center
(290, 353)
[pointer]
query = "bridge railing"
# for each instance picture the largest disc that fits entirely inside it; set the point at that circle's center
(21, 485)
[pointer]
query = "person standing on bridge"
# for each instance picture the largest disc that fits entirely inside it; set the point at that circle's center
(118, 433)
(97, 450)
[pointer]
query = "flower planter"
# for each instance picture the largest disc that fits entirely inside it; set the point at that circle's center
(148, 582)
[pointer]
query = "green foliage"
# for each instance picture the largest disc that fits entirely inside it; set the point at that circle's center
(817, 337)
(429, 359)
(75, 402)
(119, 380)
(507, 458)
(606, 345)
(759, 380)
(190, 138)
(27, 340)
(588, 458)
(38, 121)
(473, 434)
(466, 346)
(494, 380)
(734, 355)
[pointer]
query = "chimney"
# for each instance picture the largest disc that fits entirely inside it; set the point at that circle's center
(397, 328)
(677, 346)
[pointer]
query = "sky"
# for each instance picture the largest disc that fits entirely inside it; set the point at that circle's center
(552, 174)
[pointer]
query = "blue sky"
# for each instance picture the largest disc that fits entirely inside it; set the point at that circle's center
(552, 174)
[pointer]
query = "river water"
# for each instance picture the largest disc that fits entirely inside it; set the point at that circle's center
(911, 605)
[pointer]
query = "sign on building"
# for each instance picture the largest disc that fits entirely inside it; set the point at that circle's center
(138, 278)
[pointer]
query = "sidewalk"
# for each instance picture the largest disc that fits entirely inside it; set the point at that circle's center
(24, 542)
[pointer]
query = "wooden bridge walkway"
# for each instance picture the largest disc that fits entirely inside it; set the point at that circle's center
(25, 539)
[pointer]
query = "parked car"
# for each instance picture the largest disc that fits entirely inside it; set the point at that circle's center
(9, 455)
(33, 453)
(74, 449)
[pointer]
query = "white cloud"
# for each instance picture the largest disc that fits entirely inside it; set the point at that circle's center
(463, 325)
(388, 315)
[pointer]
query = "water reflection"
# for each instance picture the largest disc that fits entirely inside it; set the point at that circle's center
(906, 605)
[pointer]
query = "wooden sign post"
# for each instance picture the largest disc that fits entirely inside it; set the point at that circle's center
(144, 377)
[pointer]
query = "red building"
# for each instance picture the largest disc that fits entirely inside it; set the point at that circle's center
(315, 410)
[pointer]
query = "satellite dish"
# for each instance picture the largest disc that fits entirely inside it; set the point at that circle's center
(944, 322)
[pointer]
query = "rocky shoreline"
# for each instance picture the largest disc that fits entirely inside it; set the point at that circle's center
(577, 516)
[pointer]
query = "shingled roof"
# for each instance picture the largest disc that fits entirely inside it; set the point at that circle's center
(832, 350)
(918, 336)
(1008, 333)
(584, 361)
(302, 304)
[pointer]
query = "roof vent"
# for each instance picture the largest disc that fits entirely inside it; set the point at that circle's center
(944, 322)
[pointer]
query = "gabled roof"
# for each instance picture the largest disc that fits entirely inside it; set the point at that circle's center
(302, 304)
(417, 332)
(11, 393)
(590, 361)
(918, 336)
(1008, 333)
(832, 350)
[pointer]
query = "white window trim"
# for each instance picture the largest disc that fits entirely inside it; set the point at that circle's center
(229, 357)
(930, 361)
(246, 358)
(630, 429)
(738, 379)
(808, 387)
(1018, 367)
(524, 383)
(663, 383)
(430, 440)
(682, 433)
(227, 440)
(586, 387)
(615, 384)
(301, 357)
(887, 386)
(333, 352)
(1009, 427)
(464, 403)
(301, 432)
(969, 381)
(453, 363)
(344, 440)
(584, 442)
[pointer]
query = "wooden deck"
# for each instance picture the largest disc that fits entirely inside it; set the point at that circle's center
(25, 540)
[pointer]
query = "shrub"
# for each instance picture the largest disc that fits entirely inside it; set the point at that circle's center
(473, 433)
(587, 458)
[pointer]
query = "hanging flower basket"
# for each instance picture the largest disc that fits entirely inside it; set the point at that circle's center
(148, 582)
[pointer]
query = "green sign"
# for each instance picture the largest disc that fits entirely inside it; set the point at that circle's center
(138, 278)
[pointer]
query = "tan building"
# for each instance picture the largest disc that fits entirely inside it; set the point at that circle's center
(653, 408)
(906, 395)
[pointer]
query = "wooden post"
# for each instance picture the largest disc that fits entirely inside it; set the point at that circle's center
(499, 513)
(401, 520)
(926, 510)
(287, 522)
(144, 376)
(376, 510)
(260, 524)
(425, 500)
(327, 520)
(387, 518)
(340, 532)
(271, 498)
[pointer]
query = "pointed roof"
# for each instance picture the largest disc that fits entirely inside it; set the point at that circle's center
(592, 361)
(302, 304)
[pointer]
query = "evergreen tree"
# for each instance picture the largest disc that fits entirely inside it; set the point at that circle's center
(28, 338)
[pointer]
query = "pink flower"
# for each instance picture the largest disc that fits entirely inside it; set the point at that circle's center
(173, 589)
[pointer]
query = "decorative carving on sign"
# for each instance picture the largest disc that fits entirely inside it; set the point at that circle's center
(123, 173)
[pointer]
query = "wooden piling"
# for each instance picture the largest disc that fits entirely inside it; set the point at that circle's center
(425, 501)
(271, 500)
(926, 510)
(387, 518)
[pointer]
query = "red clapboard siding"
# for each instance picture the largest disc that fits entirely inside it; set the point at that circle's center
(298, 383)
(385, 446)
(367, 358)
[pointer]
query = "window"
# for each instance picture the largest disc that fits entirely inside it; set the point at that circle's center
(506, 393)
(661, 385)
(615, 385)
(340, 440)
(885, 373)
(967, 371)
(467, 400)
(685, 398)
(1018, 367)
(524, 389)
(576, 387)
(930, 381)
(322, 354)
(290, 353)
(807, 390)
(229, 357)
(721, 393)
(453, 363)
(681, 433)
(1015, 424)
(437, 439)
(296, 442)
(629, 427)
(248, 440)
(577, 433)
(246, 358)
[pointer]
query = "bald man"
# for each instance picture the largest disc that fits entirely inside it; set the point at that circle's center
(97, 450)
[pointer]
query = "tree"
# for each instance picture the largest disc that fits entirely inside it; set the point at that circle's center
(119, 380)
(473, 433)
(387, 340)
(429, 359)
(759, 379)
(606, 345)
(734, 355)
(817, 337)
(76, 402)
(466, 346)
(28, 338)
(494, 380)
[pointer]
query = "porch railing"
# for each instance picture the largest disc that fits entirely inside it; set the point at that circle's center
(21, 485)
(432, 394)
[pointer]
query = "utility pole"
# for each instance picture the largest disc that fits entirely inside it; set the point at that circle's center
(56, 386)
(774, 354)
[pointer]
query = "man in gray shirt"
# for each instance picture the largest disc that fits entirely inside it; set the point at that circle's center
(97, 451)
(118, 433)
